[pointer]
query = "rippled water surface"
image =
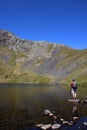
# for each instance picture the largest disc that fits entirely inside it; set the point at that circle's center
(22, 105)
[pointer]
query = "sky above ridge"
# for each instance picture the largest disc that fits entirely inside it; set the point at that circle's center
(58, 21)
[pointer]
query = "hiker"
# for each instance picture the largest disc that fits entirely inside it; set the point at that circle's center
(73, 88)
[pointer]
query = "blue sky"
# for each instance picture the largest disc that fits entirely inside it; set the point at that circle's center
(58, 21)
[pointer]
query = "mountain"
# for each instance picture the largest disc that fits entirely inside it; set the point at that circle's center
(39, 61)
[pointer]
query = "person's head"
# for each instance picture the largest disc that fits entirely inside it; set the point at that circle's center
(73, 80)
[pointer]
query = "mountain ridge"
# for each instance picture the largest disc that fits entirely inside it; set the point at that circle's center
(39, 61)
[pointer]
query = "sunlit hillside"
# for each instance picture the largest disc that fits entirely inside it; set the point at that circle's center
(23, 61)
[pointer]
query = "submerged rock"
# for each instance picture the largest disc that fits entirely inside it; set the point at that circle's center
(86, 97)
(75, 118)
(85, 123)
(85, 101)
(67, 123)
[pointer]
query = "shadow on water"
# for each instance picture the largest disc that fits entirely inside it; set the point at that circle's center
(22, 105)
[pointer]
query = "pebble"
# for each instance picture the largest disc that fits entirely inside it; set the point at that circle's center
(62, 119)
(51, 114)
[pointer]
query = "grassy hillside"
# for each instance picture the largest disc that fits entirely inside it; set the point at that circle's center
(79, 58)
(12, 72)
(73, 64)
(40, 62)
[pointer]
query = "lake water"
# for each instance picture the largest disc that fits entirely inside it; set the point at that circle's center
(22, 105)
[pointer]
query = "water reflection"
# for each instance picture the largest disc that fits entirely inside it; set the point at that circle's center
(31, 96)
(74, 109)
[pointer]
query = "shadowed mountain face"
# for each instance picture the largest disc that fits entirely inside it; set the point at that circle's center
(40, 61)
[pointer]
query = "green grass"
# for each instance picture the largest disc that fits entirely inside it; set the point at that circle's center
(66, 55)
(30, 78)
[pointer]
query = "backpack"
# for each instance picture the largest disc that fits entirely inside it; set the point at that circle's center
(74, 85)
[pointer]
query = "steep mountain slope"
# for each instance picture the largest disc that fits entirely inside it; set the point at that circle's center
(39, 62)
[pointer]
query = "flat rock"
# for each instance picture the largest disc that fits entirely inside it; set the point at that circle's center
(55, 126)
(74, 100)
(46, 126)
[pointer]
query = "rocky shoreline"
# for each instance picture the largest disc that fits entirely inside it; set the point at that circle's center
(75, 123)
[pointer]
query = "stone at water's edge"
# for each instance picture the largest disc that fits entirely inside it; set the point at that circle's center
(46, 112)
(56, 126)
(74, 100)
(46, 126)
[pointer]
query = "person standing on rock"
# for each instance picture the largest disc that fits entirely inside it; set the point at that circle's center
(73, 88)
